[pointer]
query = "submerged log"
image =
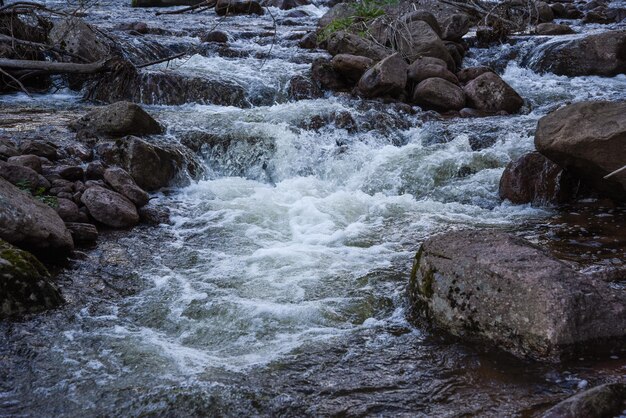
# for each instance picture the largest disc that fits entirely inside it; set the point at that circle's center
(164, 3)
(54, 67)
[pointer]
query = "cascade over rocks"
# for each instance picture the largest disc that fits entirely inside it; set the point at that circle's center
(117, 120)
(492, 286)
(28, 223)
(589, 140)
(25, 285)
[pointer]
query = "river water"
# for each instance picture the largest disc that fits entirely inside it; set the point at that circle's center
(279, 287)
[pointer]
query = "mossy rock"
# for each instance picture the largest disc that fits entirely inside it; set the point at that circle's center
(25, 285)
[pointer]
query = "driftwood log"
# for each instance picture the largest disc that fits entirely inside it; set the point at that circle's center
(164, 3)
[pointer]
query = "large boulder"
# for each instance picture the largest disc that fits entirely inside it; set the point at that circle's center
(439, 94)
(552, 29)
(117, 120)
(352, 67)
(494, 287)
(25, 285)
(324, 76)
(608, 400)
(110, 208)
(423, 68)
(31, 224)
(238, 7)
(387, 78)
(77, 37)
(455, 27)
(602, 54)
(348, 43)
(588, 139)
(534, 179)
(337, 12)
(23, 177)
(124, 184)
(489, 92)
(150, 165)
(418, 39)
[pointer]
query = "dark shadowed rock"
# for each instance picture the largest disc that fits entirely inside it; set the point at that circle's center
(308, 41)
(83, 233)
(31, 161)
(303, 88)
(588, 139)
(347, 43)
(31, 224)
(95, 170)
(151, 166)
(489, 92)
(154, 215)
(110, 208)
(387, 78)
(118, 119)
(421, 70)
(492, 286)
(23, 177)
(216, 36)
(468, 74)
(553, 29)
(124, 184)
(418, 39)
(238, 7)
(455, 27)
(71, 172)
(25, 284)
(77, 37)
(608, 400)
(352, 67)
(533, 178)
(601, 54)
(40, 149)
(439, 94)
(67, 210)
(325, 76)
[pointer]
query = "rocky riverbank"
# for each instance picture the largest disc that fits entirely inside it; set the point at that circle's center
(367, 74)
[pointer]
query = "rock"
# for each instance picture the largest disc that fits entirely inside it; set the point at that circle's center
(25, 285)
(489, 92)
(337, 12)
(589, 140)
(40, 149)
(347, 43)
(468, 112)
(468, 74)
(572, 12)
(594, 16)
(456, 51)
(387, 78)
(30, 224)
(83, 233)
(303, 88)
(31, 161)
(75, 36)
(608, 400)
(559, 10)
(153, 215)
(325, 76)
(124, 184)
(67, 210)
(600, 54)
(553, 29)
(151, 166)
(23, 177)
(421, 70)
(492, 286)
(351, 67)
(117, 120)
(533, 178)
(110, 208)
(95, 170)
(238, 7)
(286, 4)
(487, 36)
(455, 27)
(544, 12)
(216, 36)
(418, 39)
(308, 41)
(439, 94)
(71, 173)
(7, 148)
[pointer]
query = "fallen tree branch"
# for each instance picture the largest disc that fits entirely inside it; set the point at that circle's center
(619, 170)
(173, 57)
(40, 45)
(55, 67)
(19, 83)
(207, 3)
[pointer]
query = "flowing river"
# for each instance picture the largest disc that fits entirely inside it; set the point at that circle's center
(279, 287)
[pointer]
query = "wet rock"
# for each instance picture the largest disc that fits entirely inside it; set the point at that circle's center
(599, 54)
(325, 76)
(71, 173)
(544, 12)
(25, 284)
(589, 140)
(110, 208)
(31, 224)
(153, 215)
(23, 177)
(387, 78)
(553, 29)
(492, 286)
(31, 161)
(67, 210)
(40, 149)
(95, 170)
(597, 16)
(118, 119)
(83, 233)
(421, 70)
(559, 10)
(351, 67)
(124, 184)
(347, 43)
(468, 112)
(286, 4)
(533, 178)
(303, 88)
(238, 7)
(150, 165)
(606, 400)
(439, 94)
(455, 27)
(489, 92)
(487, 36)
(468, 74)
(308, 41)
(216, 36)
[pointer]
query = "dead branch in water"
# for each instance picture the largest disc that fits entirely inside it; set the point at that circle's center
(205, 5)
(50, 67)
